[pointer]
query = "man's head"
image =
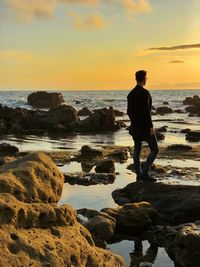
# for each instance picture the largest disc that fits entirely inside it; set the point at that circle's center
(141, 76)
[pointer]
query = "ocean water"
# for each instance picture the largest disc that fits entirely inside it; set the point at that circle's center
(100, 99)
(99, 196)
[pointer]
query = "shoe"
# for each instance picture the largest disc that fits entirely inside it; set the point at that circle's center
(148, 178)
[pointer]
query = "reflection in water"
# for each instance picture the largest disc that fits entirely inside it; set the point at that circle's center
(138, 256)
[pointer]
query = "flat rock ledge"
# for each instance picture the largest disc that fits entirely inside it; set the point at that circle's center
(175, 204)
(34, 230)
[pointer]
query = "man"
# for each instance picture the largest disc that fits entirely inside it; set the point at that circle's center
(141, 129)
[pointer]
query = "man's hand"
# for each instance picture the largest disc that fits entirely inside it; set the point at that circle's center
(152, 131)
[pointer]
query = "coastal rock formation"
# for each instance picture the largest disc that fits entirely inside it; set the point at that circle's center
(191, 100)
(193, 136)
(102, 120)
(88, 153)
(44, 99)
(34, 230)
(8, 150)
(89, 178)
(84, 112)
(100, 225)
(174, 203)
(105, 166)
(181, 242)
(133, 218)
(164, 110)
(160, 136)
(33, 178)
(179, 147)
(120, 155)
(63, 114)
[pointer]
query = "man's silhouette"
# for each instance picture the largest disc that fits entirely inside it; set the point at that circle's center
(141, 129)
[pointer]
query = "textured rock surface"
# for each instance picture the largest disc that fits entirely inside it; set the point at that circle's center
(33, 178)
(33, 233)
(164, 110)
(44, 99)
(88, 153)
(174, 203)
(105, 166)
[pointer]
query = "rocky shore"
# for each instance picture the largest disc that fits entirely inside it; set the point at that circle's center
(38, 231)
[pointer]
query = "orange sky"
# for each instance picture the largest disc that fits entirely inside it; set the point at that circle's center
(97, 44)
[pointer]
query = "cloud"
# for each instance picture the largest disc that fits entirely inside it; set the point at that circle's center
(177, 61)
(28, 10)
(137, 6)
(16, 54)
(177, 47)
(93, 21)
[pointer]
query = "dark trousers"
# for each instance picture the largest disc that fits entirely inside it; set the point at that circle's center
(153, 145)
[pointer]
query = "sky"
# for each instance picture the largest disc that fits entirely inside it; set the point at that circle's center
(99, 44)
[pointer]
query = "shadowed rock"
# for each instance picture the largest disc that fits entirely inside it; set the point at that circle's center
(44, 99)
(105, 166)
(163, 110)
(174, 203)
(193, 136)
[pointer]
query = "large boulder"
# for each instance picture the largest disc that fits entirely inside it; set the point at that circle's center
(133, 218)
(33, 178)
(44, 99)
(64, 114)
(34, 230)
(174, 203)
(46, 235)
(100, 225)
(191, 100)
(102, 120)
(195, 109)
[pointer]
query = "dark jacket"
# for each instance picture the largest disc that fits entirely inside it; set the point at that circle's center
(139, 112)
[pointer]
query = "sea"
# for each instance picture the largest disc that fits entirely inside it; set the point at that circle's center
(99, 196)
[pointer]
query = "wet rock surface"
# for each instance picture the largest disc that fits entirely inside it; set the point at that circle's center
(174, 203)
(164, 110)
(89, 178)
(36, 231)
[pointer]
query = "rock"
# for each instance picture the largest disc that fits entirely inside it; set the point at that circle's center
(174, 203)
(118, 113)
(105, 166)
(88, 153)
(193, 136)
(178, 111)
(179, 147)
(187, 130)
(191, 100)
(64, 115)
(44, 99)
(102, 120)
(33, 178)
(164, 110)
(195, 109)
(8, 150)
(120, 155)
(87, 166)
(165, 103)
(84, 112)
(162, 129)
(3, 128)
(89, 178)
(133, 218)
(37, 233)
(100, 225)
(160, 136)
(121, 124)
(46, 235)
